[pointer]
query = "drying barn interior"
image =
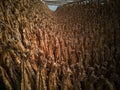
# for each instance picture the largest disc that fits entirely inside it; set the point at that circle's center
(73, 46)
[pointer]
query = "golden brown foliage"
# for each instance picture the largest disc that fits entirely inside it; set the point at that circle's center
(74, 48)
